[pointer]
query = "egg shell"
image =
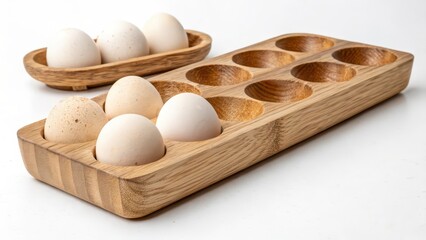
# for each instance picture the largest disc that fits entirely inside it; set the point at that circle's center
(165, 33)
(188, 117)
(120, 41)
(72, 48)
(133, 94)
(74, 120)
(129, 139)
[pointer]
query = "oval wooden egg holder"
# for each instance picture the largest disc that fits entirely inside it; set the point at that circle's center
(269, 96)
(78, 79)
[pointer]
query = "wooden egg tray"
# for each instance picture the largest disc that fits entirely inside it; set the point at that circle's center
(269, 96)
(82, 78)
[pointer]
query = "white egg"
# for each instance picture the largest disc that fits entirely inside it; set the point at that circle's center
(72, 48)
(133, 94)
(129, 139)
(120, 41)
(165, 33)
(73, 120)
(188, 117)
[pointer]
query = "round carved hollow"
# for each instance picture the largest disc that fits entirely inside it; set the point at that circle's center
(218, 75)
(282, 91)
(304, 43)
(168, 89)
(323, 72)
(263, 59)
(367, 56)
(236, 109)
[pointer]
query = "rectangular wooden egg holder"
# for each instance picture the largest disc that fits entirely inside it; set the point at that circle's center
(269, 96)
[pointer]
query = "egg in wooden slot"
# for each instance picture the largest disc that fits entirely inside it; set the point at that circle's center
(133, 94)
(188, 117)
(128, 140)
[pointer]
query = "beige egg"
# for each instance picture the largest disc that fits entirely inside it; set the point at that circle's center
(120, 41)
(188, 117)
(164, 33)
(74, 120)
(129, 139)
(72, 48)
(133, 94)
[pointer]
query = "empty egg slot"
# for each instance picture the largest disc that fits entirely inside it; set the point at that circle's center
(263, 58)
(304, 43)
(278, 91)
(367, 56)
(218, 75)
(323, 72)
(168, 89)
(236, 109)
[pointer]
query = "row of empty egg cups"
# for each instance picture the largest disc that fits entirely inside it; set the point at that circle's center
(237, 82)
(236, 85)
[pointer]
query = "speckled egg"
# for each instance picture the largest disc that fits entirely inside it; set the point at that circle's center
(74, 120)
(120, 41)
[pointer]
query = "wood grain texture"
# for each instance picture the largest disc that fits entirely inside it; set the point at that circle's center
(78, 79)
(264, 109)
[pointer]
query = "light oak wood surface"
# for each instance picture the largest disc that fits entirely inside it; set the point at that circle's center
(269, 96)
(78, 79)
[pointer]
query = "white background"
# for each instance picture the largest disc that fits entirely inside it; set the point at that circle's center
(362, 179)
